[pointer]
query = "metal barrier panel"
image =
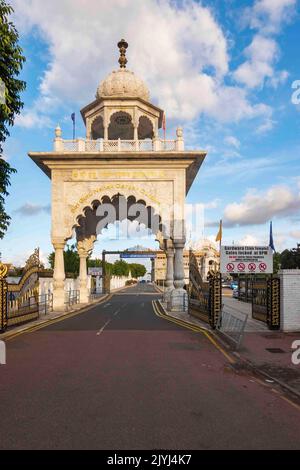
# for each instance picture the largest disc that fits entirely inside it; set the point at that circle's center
(232, 326)
(72, 297)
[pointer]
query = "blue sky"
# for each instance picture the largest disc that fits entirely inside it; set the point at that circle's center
(222, 69)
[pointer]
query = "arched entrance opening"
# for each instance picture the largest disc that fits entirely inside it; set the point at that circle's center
(97, 128)
(120, 126)
(103, 213)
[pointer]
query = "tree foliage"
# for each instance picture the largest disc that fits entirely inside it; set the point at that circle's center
(118, 268)
(121, 268)
(11, 63)
(71, 259)
(290, 259)
(137, 270)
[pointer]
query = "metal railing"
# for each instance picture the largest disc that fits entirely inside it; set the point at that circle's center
(232, 326)
(96, 294)
(119, 145)
(72, 297)
(45, 303)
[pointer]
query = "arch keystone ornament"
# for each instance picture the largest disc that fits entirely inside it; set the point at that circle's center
(123, 158)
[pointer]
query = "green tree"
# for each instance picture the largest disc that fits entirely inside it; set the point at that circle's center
(137, 270)
(71, 259)
(290, 259)
(276, 262)
(11, 63)
(120, 268)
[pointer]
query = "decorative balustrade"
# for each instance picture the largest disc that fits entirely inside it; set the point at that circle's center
(101, 145)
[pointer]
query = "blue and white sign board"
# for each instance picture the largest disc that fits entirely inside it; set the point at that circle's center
(136, 255)
(246, 260)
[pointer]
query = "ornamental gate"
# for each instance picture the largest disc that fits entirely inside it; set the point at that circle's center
(205, 297)
(3, 303)
(266, 301)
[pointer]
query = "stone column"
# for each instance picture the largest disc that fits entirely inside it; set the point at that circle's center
(152, 269)
(178, 295)
(105, 132)
(84, 293)
(169, 271)
(84, 248)
(59, 276)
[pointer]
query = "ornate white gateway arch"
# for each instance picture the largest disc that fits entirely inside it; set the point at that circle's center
(122, 169)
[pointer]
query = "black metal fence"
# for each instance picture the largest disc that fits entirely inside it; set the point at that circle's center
(264, 294)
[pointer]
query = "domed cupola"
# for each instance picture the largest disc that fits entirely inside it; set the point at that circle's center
(122, 83)
(122, 109)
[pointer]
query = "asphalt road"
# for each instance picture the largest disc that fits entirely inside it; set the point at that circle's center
(118, 377)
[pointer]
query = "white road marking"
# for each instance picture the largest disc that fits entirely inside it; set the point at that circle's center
(116, 313)
(102, 329)
(107, 305)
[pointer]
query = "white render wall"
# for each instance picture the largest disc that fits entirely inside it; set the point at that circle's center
(290, 299)
(46, 284)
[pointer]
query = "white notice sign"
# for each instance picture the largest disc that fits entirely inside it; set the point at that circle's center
(246, 260)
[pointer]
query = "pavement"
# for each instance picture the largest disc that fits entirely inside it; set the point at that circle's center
(268, 353)
(118, 376)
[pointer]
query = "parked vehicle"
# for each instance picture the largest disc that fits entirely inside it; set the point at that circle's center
(235, 293)
(233, 285)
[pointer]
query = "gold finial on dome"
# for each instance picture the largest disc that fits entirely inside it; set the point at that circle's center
(122, 45)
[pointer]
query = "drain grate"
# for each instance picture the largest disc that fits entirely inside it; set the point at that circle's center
(275, 350)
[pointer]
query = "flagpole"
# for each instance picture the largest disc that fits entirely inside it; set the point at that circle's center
(73, 119)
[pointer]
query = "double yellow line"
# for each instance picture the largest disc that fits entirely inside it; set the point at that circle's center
(56, 320)
(194, 328)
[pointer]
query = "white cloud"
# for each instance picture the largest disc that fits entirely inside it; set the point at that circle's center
(238, 169)
(32, 119)
(261, 55)
(266, 16)
(29, 209)
(232, 141)
(249, 240)
(270, 14)
(259, 207)
(295, 234)
(266, 126)
(171, 47)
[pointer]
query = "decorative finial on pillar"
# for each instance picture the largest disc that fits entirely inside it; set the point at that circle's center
(58, 131)
(122, 45)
